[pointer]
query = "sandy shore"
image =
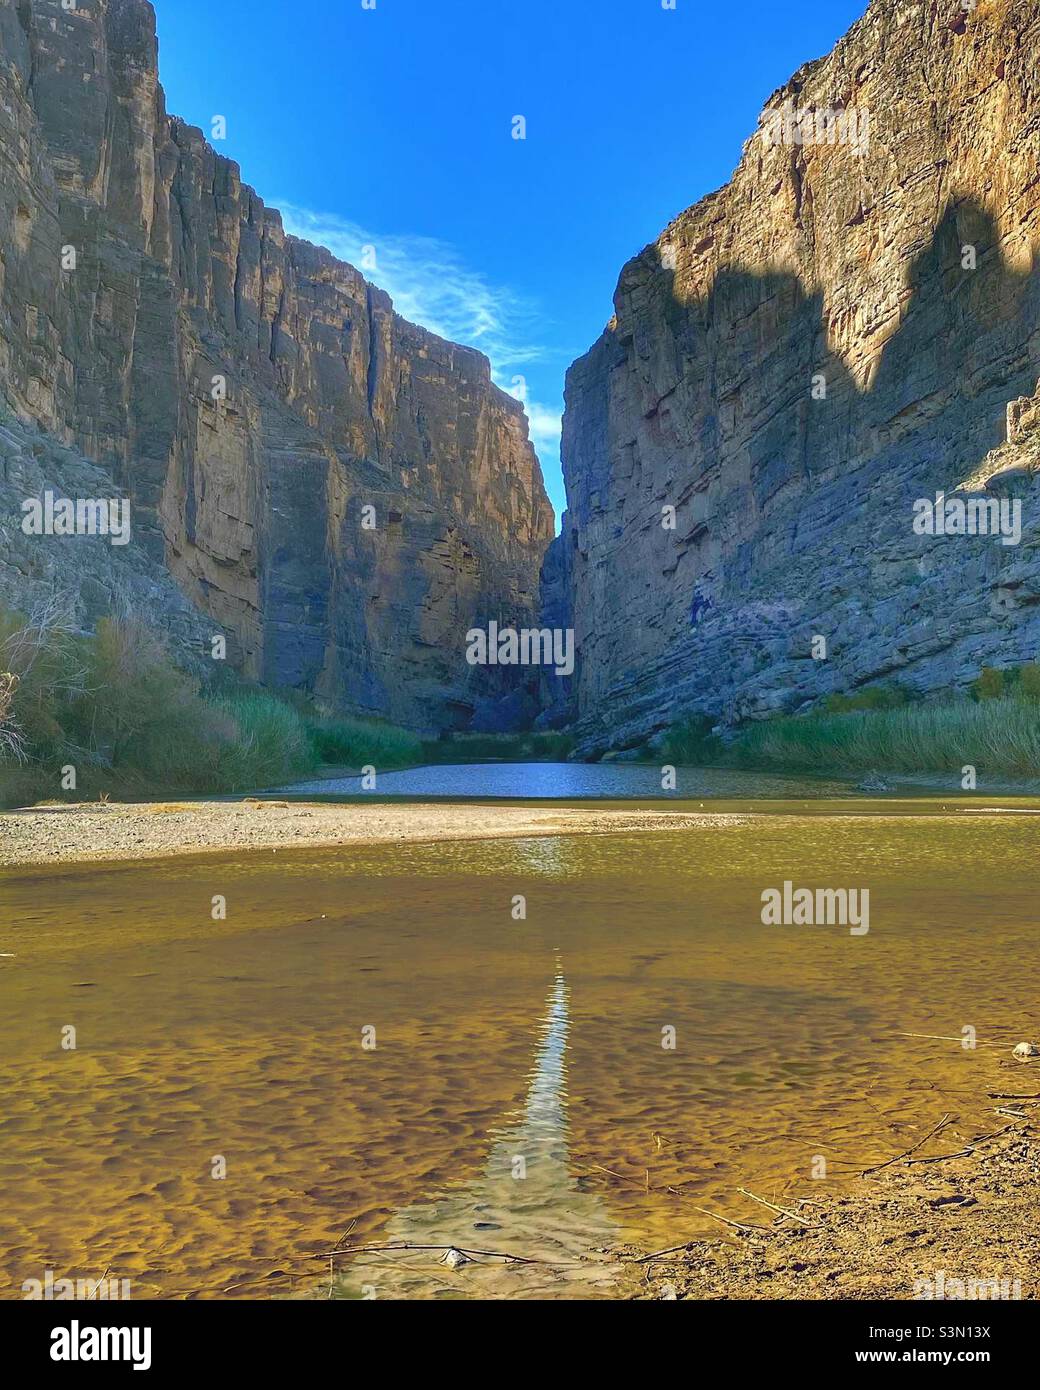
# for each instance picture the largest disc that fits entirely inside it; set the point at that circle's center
(941, 1226)
(89, 832)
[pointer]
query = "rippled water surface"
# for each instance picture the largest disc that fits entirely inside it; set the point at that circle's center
(567, 781)
(518, 1098)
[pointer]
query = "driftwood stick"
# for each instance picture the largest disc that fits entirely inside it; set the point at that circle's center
(408, 1245)
(737, 1225)
(782, 1210)
(940, 1158)
(876, 1168)
(621, 1176)
(669, 1250)
(942, 1037)
(966, 1152)
(346, 1233)
(677, 1192)
(260, 1279)
(981, 1138)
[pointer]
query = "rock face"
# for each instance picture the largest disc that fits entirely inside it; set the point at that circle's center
(81, 578)
(795, 361)
(249, 392)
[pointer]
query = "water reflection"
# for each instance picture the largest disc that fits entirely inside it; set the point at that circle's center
(527, 1203)
(547, 856)
(572, 781)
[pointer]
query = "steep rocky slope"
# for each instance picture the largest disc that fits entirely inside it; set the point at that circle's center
(792, 364)
(82, 578)
(183, 281)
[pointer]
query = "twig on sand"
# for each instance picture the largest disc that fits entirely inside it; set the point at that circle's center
(966, 1152)
(687, 1244)
(260, 1279)
(943, 1037)
(941, 1158)
(876, 1168)
(621, 1176)
(981, 1138)
(346, 1233)
(737, 1225)
(671, 1249)
(677, 1192)
(668, 1250)
(782, 1210)
(408, 1245)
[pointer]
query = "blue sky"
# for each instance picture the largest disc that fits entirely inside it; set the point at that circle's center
(392, 128)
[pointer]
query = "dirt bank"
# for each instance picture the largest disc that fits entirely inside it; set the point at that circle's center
(933, 1227)
(89, 831)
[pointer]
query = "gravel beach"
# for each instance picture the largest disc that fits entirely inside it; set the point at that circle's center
(147, 830)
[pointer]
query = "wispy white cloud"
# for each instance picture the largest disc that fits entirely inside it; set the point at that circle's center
(431, 284)
(546, 425)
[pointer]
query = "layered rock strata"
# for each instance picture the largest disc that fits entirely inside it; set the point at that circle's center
(341, 491)
(798, 359)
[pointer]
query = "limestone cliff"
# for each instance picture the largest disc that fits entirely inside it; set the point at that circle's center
(792, 364)
(140, 280)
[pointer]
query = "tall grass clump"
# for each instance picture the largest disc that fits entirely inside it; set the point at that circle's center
(536, 746)
(871, 697)
(115, 709)
(998, 735)
(359, 742)
(271, 742)
(137, 715)
(690, 742)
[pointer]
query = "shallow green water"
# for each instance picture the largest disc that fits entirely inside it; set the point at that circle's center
(496, 1039)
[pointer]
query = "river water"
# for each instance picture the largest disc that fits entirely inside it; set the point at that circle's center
(522, 1095)
(571, 781)
(629, 781)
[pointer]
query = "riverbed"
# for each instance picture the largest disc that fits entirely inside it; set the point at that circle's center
(525, 1045)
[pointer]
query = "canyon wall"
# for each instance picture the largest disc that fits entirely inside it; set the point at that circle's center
(250, 393)
(792, 364)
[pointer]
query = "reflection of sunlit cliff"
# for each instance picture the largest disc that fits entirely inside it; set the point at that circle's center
(526, 1204)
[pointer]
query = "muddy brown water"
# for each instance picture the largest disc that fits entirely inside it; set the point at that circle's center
(514, 1060)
